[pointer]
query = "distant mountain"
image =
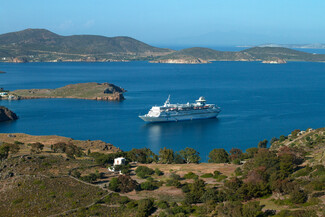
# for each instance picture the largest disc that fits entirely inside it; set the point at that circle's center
(43, 45)
(251, 54)
(304, 46)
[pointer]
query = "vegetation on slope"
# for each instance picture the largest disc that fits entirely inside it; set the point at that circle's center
(286, 179)
(95, 91)
(43, 45)
(252, 54)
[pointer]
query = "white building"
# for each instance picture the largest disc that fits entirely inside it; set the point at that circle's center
(3, 93)
(117, 162)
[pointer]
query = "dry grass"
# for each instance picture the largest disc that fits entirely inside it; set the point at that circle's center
(94, 146)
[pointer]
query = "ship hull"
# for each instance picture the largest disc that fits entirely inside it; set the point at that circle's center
(175, 118)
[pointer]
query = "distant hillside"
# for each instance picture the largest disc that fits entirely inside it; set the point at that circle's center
(251, 54)
(43, 45)
(304, 46)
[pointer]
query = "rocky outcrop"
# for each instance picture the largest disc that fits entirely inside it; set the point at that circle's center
(19, 60)
(182, 61)
(275, 61)
(7, 115)
(1, 72)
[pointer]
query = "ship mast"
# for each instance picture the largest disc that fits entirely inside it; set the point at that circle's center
(167, 101)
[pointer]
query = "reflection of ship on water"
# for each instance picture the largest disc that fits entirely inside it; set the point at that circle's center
(166, 135)
(181, 112)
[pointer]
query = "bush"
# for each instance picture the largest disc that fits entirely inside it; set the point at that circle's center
(191, 175)
(158, 172)
(143, 171)
(162, 204)
(298, 196)
(207, 175)
(236, 161)
(173, 182)
(147, 186)
(174, 176)
(238, 171)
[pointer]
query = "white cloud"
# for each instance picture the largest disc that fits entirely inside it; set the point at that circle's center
(89, 23)
(66, 25)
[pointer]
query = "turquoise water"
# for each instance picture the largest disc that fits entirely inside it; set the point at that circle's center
(258, 101)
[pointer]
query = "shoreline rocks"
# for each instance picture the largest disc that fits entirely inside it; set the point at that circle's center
(7, 115)
(181, 61)
(276, 61)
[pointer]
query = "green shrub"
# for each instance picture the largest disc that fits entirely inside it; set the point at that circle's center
(17, 201)
(238, 171)
(173, 182)
(143, 171)
(147, 186)
(162, 204)
(207, 175)
(132, 204)
(191, 175)
(145, 207)
(298, 196)
(158, 172)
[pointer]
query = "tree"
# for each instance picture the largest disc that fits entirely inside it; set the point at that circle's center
(197, 190)
(190, 155)
(4, 152)
(252, 209)
(295, 133)
(235, 153)
(166, 156)
(13, 148)
(123, 183)
(143, 155)
(250, 152)
(262, 144)
(274, 139)
(218, 156)
(145, 207)
(37, 147)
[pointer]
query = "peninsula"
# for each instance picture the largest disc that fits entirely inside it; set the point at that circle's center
(91, 91)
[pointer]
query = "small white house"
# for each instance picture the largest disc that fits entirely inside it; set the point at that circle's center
(3, 93)
(117, 162)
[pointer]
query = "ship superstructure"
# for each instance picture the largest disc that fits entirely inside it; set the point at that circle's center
(181, 112)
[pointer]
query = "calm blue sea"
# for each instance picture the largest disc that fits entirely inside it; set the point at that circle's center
(258, 101)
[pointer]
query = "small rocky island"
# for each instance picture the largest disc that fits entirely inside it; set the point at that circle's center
(7, 115)
(91, 91)
(2, 72)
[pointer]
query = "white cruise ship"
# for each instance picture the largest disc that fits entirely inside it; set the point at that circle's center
(181, 112)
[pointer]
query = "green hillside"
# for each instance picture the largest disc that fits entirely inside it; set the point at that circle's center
(43, 45)
(252, 54)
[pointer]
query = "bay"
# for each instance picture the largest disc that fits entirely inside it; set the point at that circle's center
(258, 101)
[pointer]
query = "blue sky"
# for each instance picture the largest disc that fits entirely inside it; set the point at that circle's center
(174, 22)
